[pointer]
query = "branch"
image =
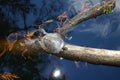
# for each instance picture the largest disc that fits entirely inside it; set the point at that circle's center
(91, 13)
(90, 55)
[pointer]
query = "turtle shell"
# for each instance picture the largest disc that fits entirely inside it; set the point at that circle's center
(52, 42)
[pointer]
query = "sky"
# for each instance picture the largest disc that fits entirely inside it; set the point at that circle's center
(102, 32)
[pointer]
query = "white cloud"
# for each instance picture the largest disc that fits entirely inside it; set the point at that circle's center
(99, 29)
(117, 8)
(78, 4)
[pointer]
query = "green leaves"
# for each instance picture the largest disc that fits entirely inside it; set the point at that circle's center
(108, 10)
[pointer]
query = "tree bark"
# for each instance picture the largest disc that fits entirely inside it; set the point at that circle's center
(90, 55)
(72, 52)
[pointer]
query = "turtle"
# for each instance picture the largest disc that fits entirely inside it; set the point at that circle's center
(52, 42)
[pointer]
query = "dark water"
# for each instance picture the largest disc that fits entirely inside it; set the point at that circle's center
(102, 32)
